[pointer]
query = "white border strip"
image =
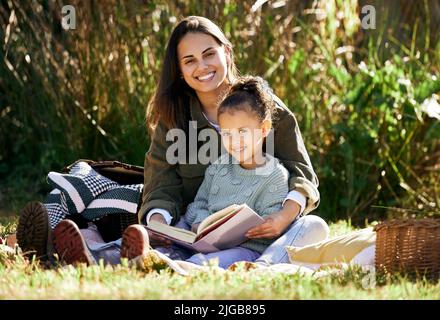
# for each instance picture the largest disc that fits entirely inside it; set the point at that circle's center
(113, 203)
(70, 189)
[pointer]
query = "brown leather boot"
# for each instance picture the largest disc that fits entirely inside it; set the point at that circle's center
(33, 231)
(70, 244)
(135, 242)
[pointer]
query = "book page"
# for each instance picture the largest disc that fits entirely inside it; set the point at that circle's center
(216, 216)
(216, 224)
(172, 232)
(226, 232)
(231, 233)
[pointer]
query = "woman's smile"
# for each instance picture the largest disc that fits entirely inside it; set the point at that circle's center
(206, 77)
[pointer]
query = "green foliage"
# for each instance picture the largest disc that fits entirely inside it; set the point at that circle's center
(357, 93)
(380, 135)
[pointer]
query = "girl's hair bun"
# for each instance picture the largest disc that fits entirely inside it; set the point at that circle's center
(249, 84)
(255, 91)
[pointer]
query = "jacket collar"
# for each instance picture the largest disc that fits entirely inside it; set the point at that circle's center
(196, 112)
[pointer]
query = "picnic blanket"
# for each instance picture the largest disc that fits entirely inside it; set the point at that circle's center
(155, 259)
(84, 191)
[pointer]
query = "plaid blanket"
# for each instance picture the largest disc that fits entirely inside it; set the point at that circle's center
(84, 191)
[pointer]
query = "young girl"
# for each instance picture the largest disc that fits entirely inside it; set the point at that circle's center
(245, 174)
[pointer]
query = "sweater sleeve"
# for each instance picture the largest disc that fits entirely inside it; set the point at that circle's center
(162, 185)
(198, 209)
(289, 148)
(273, 193)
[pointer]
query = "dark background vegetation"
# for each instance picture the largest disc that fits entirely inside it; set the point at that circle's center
(357, 93)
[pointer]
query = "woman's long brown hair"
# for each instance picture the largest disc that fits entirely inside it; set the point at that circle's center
(169, 103)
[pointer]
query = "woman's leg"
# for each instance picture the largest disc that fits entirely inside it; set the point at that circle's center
(176, 252)
(110, 252)
(225, 257)
(305, 230)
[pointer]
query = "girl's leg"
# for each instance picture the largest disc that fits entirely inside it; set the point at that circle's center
(303, 231)
(226, 257)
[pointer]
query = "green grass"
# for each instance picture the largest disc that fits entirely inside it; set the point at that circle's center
(22, 279)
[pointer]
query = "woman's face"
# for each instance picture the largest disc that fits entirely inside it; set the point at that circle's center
(203, 62)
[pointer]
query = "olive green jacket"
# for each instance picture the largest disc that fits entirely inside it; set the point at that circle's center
(173, 186)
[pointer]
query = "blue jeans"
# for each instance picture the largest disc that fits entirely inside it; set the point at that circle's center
(225, 257)
(301, 232)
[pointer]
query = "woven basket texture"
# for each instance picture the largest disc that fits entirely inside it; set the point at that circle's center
(410, 247)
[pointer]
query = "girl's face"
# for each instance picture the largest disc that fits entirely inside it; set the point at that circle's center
(242, 135)
(203, 62)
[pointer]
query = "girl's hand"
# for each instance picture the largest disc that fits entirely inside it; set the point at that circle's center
(276, 223)
(271, 228)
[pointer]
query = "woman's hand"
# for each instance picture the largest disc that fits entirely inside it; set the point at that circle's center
(155, 239)
(276, 223)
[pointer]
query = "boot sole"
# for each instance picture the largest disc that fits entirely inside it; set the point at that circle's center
(33, 230)
(135, 242)
(70, 244)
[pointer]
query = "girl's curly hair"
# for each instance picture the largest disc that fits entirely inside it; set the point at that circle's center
(249, 93)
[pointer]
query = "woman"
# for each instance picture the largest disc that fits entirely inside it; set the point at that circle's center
(198, 67)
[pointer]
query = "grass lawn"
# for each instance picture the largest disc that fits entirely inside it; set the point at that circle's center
(21, 279)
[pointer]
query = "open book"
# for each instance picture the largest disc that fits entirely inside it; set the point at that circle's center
(223, 229)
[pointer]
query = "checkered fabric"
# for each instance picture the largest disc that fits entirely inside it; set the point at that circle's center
(56, 207)
(120, 199)
(81, 186)
(84, 191)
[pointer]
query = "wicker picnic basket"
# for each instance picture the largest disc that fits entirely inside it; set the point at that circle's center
(409, 247)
